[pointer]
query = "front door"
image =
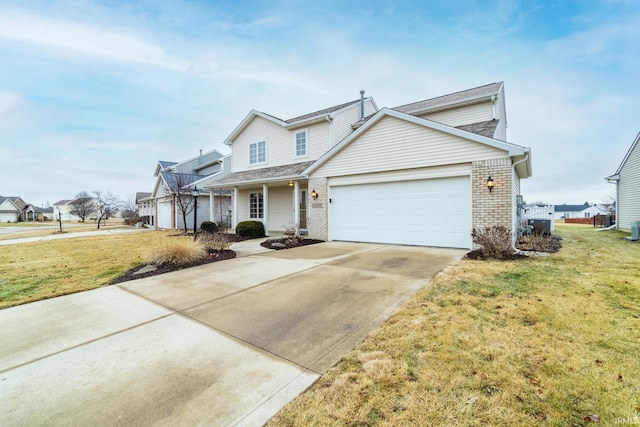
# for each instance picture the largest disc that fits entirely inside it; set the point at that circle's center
(303, 209)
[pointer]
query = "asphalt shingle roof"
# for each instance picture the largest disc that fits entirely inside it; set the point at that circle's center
(487, 128)
(264, 174)
(320, 113)
(451, 99)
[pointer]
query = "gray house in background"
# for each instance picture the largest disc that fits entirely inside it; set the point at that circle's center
(627, 181)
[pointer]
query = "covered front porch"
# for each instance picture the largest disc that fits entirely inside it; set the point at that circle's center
(276, 196)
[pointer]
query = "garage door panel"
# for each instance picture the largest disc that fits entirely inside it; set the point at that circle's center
(433, 212)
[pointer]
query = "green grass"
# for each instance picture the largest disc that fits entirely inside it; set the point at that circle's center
(544, 341)
(34, 271)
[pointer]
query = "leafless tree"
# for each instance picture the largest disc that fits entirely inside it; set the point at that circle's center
(609, 202)
(106, 205)
(130, 211)
(182, 193)
(82, 206)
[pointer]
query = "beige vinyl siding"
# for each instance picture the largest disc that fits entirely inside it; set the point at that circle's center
(403, 175)
(394, 144)
(281, 144)
(317, 141)
(280, 208)
(629, 190)
(243, 203)
(501, 110)
(464, 115)
(278, 140)
(342, 122)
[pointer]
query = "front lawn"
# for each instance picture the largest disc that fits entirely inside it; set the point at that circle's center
(544, 341)
(34, 271)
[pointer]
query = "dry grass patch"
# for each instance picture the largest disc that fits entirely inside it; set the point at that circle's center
(35, 271)
(545, 341)
(178, 251)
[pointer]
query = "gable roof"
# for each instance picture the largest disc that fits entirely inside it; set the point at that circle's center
(172, 180)
(487, 128)
(294, 122)
(616, 175)
(469, 96)
(519, 152)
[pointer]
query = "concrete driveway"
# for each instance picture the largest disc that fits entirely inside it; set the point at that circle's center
(227, 343)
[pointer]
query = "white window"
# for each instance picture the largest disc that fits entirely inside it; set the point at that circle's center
(258, 152)
(255, 205)
(301, 143)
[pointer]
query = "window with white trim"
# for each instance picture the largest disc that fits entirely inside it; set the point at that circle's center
(258, 152)
(255, 206)
(301, 143)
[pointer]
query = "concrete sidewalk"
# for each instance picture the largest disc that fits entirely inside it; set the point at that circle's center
(226, 343)
(72, 235)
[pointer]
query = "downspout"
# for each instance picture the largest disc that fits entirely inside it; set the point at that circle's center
(513, 172)
(328, 118)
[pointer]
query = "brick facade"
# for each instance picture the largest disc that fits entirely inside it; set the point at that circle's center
(318, 210)
(495, 207)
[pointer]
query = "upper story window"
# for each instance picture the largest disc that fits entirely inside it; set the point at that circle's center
(258, 152)
(301, 143)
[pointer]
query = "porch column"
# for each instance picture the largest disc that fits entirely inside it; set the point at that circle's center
(234, 214)
(265, 208)
(211, 205)
(296, 204)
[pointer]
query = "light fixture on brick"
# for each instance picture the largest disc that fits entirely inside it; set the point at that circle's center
(314, 194)
(490, 184)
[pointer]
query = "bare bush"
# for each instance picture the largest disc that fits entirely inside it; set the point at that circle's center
(495, 242)
(293, 233)
(177, 252)
(212, 242)
(539, 243)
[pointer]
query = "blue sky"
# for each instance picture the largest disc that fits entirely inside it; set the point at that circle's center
(94, 93)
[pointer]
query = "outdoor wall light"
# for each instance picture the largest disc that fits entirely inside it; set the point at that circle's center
(290, 183)
(314, 194)
(490, 184)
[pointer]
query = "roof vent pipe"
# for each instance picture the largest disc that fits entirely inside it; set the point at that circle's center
(362, 105)
(200, 160)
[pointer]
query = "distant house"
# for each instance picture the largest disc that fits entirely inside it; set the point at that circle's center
(14, 209)
(424, 173)
(627, 181)
(160, 208)
(9, 211)
(144, 203)
(584, 210)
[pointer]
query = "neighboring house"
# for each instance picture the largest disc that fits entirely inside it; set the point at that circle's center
(584, 210)
(196, 172)
(35, 213)
(627, 181)
(145, 205)
(416, 174)
(9, 211)
(62, 210)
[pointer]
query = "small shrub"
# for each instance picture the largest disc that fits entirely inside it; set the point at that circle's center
(213, 242)
(177, 252)
(132, 220)
(293, 233)
(539, 243)
(208, 227)
(252, 229)
(495, 242)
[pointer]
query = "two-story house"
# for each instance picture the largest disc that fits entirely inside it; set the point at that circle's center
(424, 173)
(174, 179)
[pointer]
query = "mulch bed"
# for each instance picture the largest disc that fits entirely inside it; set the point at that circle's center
(167, 268)
(479, 254)
(287, 243)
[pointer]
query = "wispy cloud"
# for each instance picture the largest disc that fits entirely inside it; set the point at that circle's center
(78, 38)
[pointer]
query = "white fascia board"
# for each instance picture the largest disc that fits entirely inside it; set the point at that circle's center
(206, 165)
(258, 181)
(245, 122)
(512, 149)
(626, 156)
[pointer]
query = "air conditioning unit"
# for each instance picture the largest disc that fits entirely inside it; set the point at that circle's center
(635, 230)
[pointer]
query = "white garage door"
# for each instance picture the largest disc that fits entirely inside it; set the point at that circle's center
(430, 212)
